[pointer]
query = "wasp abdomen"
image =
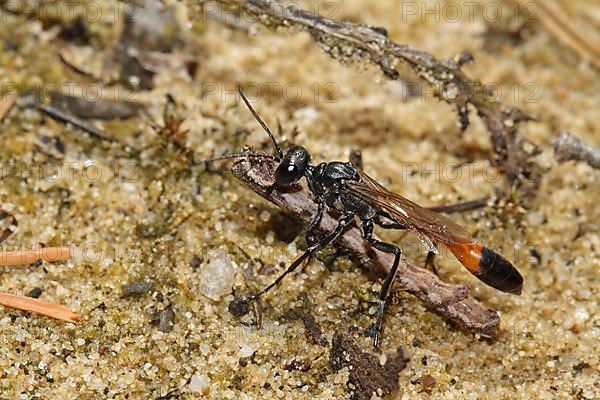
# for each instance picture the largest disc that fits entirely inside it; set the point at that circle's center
(498, 272)
(487, 265)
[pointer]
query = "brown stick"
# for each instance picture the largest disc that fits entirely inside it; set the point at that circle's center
(27, 257)
(39, 307)
(568, 147)
(450, 301)
(348, 41)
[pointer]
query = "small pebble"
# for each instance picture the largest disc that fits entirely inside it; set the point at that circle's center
(137, 288)
(196, 262)
(264, 216)
(216, 277)
(151, 311)
(248, 349)
(35, 293)
(200, 384)
(166, 318)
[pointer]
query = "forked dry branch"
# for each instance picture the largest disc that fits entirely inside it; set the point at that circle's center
(347, 41)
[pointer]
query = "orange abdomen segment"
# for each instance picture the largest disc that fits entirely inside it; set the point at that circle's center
(488, 266)
(469, 255)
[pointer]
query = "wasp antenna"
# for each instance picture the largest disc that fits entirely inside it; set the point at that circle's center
(260, 121)
(235, 155)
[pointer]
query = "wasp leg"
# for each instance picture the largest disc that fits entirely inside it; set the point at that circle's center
(356, 158)
(339, 229)
(389, 224)
(429, 262)
(309, 235)
(367, 226)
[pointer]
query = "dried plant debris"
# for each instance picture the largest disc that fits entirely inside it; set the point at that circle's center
(451, 301)
(94, 108)
(368, 376)
(568, 147)
(67, 117)
(313, 329)
(170, 130)
(347, 41)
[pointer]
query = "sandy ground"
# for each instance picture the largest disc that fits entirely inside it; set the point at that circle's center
(208, 228)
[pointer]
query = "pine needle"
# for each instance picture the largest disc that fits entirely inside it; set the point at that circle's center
(27, 257)
(39, 307)
(30, 304)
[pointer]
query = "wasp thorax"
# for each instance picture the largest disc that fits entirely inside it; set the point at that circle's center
(292, 167)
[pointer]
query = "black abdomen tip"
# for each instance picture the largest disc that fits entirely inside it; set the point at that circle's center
(499, 273)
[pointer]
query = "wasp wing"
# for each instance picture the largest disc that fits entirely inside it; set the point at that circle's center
(429, 224)
(481, 261)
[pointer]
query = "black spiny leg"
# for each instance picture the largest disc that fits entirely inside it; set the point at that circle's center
(356, 158)
(309, 235)
(429, 262)
(339, 229)
(389, 224)
(367, 226)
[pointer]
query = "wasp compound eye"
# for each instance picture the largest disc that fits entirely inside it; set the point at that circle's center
(287, 174)
(292, 167)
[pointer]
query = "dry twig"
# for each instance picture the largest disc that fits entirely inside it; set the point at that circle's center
(347, 41)
(568, 147)
(450, 301)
